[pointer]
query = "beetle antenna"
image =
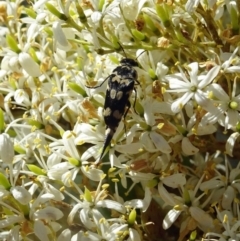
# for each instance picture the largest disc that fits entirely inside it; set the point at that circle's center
(141, 54)
(122, 49)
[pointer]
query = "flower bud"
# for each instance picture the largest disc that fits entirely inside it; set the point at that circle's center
(4, 182)
(12, 43)
(55, 12)
(163, 13)
(138, 35)
(78, 89)
(132, 217)
(87, 195)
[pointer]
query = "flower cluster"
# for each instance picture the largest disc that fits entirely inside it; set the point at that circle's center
(172, 170)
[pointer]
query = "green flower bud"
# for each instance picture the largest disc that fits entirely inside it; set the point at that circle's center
(149, 22)
(19, 149)
(87, 195)
(152, 183)
(152, 74)
(186, 197)
(233, 105)
(4, 182)
(35, 123)
(75, 87)
(12, 43)
(114, 40)
(81, 13)
(55, 12)
(31, 13)
(132, 217)
(163, 14)
(193, 235)
(234, 17)
(36, 170)
(238, 127)
(138, 35)
(74, 161)
(100, 5)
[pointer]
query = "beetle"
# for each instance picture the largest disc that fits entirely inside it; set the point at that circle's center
(121, 84)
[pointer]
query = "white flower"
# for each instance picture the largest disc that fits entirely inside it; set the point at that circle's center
(192, 88)
(151, 139)
(229, 106)
(224, 187)
(231, 225)
(189, 204)
(21, 97)
(89, 207)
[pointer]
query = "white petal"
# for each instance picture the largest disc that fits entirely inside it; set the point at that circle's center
(29, 65)
(233, 118)
(228, 197)
(191, 5)
(49, 213)
(134, 235)
(165, 195)
(132, 148)
(6, 148)
(178, 104)
(234, 173)
(205, 103)
(33, 31)
(96, 16)
(178, 84)
(73, 212)
(93, 174)
(175, 180)
(147, 143)
(188, 148)
(193, 72)
(70, 146)
(211, 184)
(137, 203)
(233, 69)
(219, 92)
(160, 143)
(87, 222)
(58, 196)
(231, 142)
(40, 230)
(10, 220)
(21, 194)
(206, 129)
(110, 204)
(209, 77)
(205, 221)
(21, 97)
(170, 218)
(147, 199)
(65, 235)
(59, 35)
(131, 8)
